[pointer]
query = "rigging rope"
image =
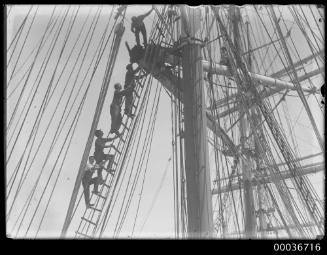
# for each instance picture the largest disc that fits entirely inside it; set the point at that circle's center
(87, 72)
(147, 150)
(43, 103)
(126, 207)
(29, 57)
(31, 134)
(156, 193)
(136, 127)
(262, 108)
(65, 108)
(19, 33)
(20, 96)
(22, 47)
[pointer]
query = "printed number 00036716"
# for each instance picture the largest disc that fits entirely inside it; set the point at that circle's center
(297, 247)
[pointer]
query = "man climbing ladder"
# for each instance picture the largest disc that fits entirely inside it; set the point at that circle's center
(115, 108)
(100, 157)
(87, 180)
(129, 86)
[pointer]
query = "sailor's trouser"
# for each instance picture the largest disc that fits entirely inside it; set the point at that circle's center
(116, 118)
(138, 30)
(99, 160)
(87, 182)
(129, 102)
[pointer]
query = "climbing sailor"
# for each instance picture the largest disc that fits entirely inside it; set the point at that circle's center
(136, 53)
(129, 86)
(87, 180)
(99, 156)
(115, 108)
(138, 26)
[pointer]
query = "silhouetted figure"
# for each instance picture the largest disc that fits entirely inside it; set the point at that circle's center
(138, 27)
(87, 180)
(115, 108)
(129, 86)
(99, 155)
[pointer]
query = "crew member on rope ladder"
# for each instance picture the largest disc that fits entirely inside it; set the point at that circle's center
(129, 86)
(100, 156)
(115, 108)
(87, 180)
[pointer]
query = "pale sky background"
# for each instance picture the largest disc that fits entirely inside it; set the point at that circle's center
(161, 220)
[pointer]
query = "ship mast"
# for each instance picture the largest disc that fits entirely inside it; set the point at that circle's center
(250, 223)
(199, 201)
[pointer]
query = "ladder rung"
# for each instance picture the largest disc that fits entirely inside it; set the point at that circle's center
(114, 147)
(140, 84)
(108, 171)
(99, 195)
(91, 222)
(78, 233)
(108, 186)
(137, 95)
(111, 173)
(95, 209)
(125, 126)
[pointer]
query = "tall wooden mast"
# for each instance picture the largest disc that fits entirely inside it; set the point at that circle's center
(250, 221)
(199, 201)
